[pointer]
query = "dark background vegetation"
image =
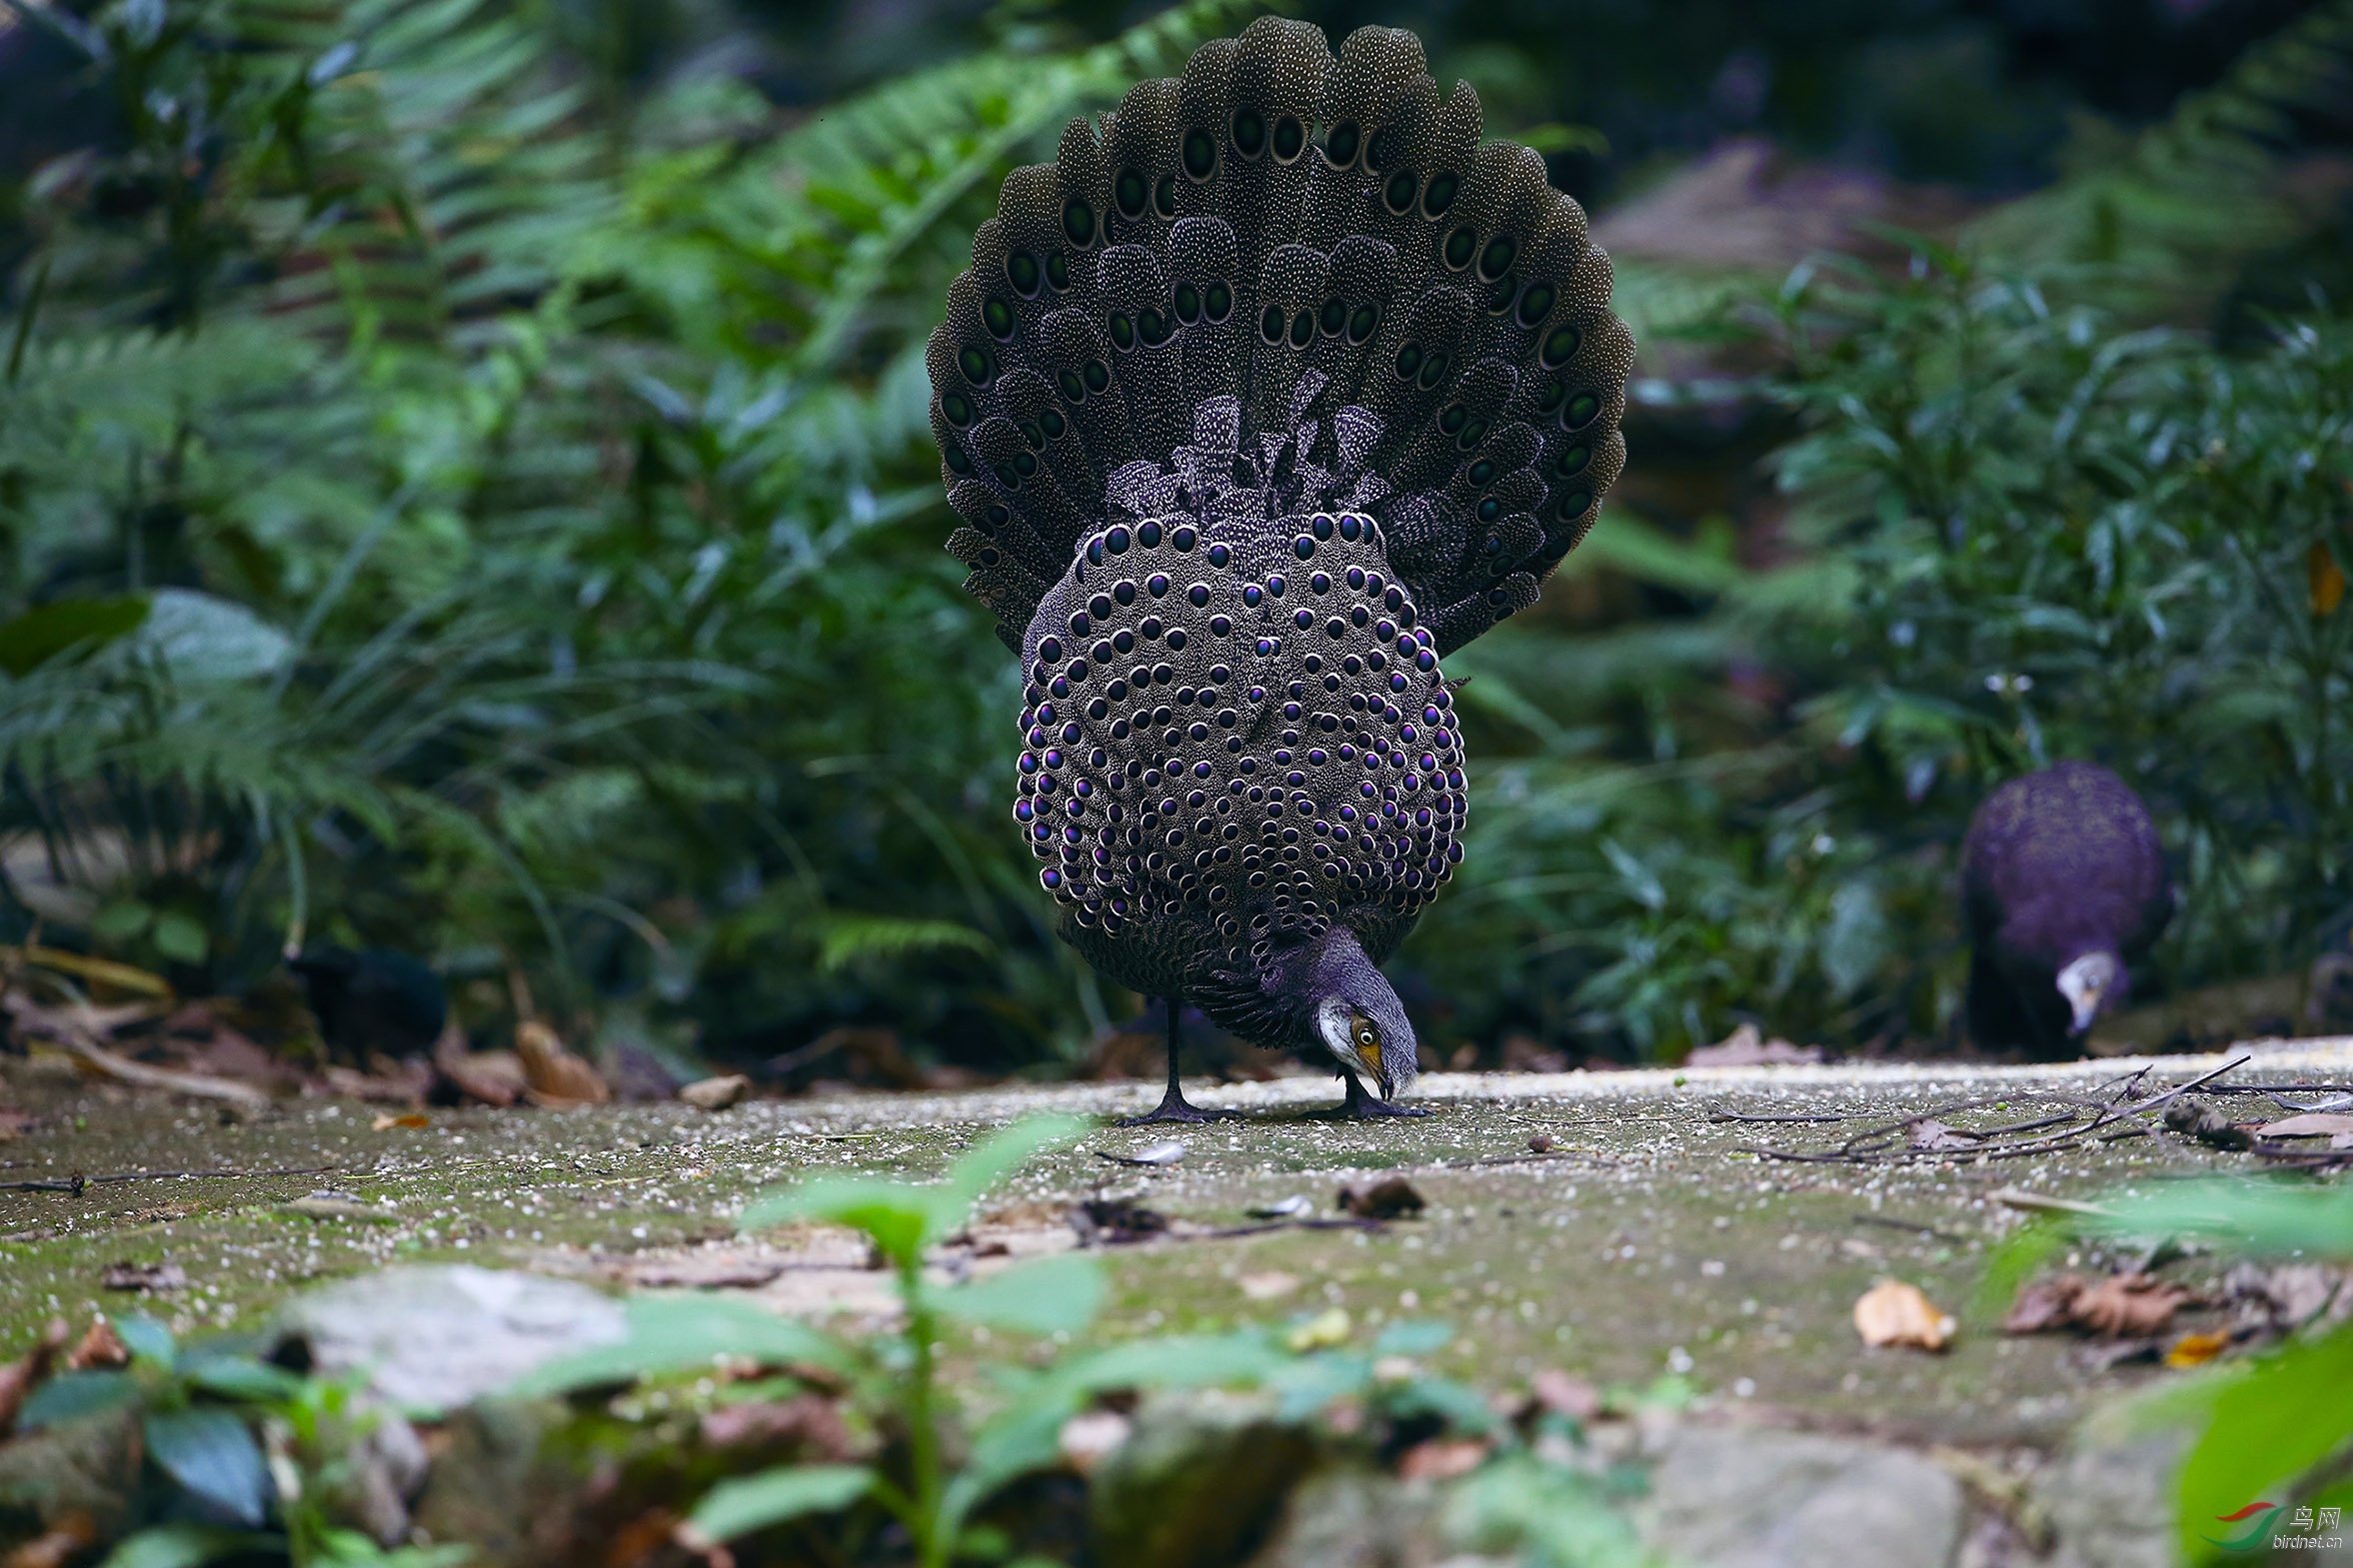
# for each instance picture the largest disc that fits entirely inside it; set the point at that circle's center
(463, 488)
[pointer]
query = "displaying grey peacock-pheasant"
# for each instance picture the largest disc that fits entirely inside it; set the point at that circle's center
(1272, 391)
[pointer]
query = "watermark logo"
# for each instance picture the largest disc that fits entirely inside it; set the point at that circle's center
(2271, 1524)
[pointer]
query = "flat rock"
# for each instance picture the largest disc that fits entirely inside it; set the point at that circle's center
(435, 1337)
(2110, 1497)
(1736, 1497)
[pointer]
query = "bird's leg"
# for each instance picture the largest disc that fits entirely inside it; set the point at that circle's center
(1364, 1105)
(1173, 1107)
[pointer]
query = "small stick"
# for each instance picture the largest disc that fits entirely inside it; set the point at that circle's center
(125, 1070)
(1892, 1224)
(1736, 1115)
(2037, 1204)
(77, 1182)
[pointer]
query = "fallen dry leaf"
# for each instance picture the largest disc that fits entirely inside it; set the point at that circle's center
(1323, 1331)
(73, 1535)
(494, 1078)
(1928, 1133)
(338, 1205)
(809, 1424)
(2196, 1349)
(1115, 1221)
(21, 1376)
(15, 1123)
(1894, 1314)
(144, 1276)
(412, 1119)
(1746, 1046)
(1267, 1286)
(556, 1076)
(2044, 1304)
(1390, 1199)
(1092, 1436)
(100, 1348)
(728, 1089)
(2130, 1306)
(2194, 1119)
(2121, 1306)
(1564, 1395)
(1442, 1459)
(2309, 1124)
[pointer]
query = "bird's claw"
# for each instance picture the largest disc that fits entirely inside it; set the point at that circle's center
(1175, 1108)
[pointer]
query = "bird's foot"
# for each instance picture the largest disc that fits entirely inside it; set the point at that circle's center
(1175, 1109)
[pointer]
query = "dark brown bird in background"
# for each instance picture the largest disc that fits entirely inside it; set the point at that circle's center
(1275, 388)
(2064, 888)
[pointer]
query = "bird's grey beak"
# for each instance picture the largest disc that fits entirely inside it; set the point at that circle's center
(2087, 1008)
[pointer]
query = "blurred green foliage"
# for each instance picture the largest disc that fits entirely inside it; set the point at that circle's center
(462, 491)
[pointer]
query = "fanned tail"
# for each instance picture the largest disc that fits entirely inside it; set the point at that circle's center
(1318, 255)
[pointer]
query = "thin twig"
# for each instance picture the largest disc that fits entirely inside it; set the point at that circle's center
(1913, 1226)
(1737, 1116)
(78, 1181)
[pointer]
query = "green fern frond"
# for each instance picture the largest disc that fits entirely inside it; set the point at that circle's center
(2175, 209)
(852, 939)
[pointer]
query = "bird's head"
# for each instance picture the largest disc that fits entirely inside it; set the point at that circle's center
(2092, 984)
(1357, 1016)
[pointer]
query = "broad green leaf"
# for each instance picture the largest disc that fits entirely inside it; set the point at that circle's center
(2272, 1423)
(899, 1219)
(122, 920)
(38, 636)
(181, 937)
(188, 1546)
(240, 1378)
(208, 1450)
(2242, 1216)
(1412, 1338)
(206, 638)
(147, 1339)
(1032, 1298)
(755, 1502)
(680, 1332)
(73, 1395)
(1001, 1154)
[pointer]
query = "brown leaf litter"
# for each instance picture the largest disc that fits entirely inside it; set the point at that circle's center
(1894, 1314)
(2127, 1305)
(1393, 1198)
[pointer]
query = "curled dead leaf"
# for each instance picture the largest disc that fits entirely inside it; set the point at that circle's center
(387, 1123)
(1928, 1133)
(2121, 1306)
(2310, 1124)
(1894, 1314)
(728, 1089)
(2130, 1306)
(1442, 1459)
(556, 1076)
(2196, 1349)
(1390, 1199)
(20, 1377)
(100, 1348)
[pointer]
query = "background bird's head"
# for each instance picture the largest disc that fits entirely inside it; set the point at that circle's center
(2094, 984)
(1357, 1016)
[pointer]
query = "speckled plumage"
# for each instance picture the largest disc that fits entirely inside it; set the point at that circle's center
(2057, 866)
(1274, 388)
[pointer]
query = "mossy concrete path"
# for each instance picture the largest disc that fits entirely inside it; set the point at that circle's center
(1646, 1240)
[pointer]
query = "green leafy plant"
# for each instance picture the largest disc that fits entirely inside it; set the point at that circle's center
(1011, 1426)
(259, 1454)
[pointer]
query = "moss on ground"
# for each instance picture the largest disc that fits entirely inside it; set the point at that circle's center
(1648, 1243)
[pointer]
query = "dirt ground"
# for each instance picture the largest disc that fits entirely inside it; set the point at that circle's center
(1646, 1241)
